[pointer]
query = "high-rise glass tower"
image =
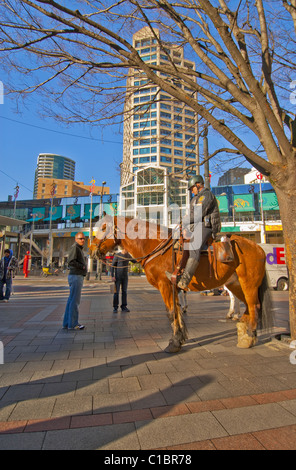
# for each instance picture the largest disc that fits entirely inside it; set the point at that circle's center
(158, 129)
(53, 166)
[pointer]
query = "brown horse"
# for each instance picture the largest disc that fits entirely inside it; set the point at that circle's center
(245, 276)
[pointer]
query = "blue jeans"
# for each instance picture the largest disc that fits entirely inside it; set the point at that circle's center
(8, 283)
(120, 282)
(71, 312)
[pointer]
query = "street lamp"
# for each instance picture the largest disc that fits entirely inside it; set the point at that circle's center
(102, 192)
(17, 190)
(90, 260)
(101, 214)
(49, 258)
(263, 232)
(32, 231)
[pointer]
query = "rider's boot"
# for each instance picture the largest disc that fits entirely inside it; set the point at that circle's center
(188, 273)
(184, 280)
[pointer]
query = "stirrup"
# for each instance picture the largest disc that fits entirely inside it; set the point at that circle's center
(183, 285)
(184, 281)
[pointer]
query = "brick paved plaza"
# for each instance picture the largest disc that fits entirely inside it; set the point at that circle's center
(112, 386)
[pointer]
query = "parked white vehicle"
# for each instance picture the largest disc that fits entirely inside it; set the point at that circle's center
(276, 266)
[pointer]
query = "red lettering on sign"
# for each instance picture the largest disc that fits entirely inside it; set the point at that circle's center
(280, 254)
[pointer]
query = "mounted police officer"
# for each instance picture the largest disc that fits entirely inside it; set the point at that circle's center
(202, 222)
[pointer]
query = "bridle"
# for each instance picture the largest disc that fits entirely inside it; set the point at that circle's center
(160, 249)
(108, 236)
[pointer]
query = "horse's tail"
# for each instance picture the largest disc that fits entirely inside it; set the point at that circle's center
(266, 312)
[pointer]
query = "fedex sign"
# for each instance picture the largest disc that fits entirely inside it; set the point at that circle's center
(276, 256)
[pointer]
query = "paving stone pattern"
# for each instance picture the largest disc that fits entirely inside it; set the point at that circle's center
(112, 386)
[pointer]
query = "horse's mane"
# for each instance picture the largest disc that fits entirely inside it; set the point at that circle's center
(150, 227)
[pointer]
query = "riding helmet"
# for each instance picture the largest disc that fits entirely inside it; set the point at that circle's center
(195, 179)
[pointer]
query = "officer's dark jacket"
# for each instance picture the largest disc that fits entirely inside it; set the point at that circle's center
(76, 261)
(210, 209)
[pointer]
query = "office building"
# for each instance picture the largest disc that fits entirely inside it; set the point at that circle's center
(65, 188)
(233, 176)
(53, 166)
(154, 195)
(158, 129)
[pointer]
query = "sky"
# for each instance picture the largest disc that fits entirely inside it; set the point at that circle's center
(97, 152)
(23, 135)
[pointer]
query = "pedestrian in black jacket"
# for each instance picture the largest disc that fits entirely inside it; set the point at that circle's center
(78, 269)
(119, 273)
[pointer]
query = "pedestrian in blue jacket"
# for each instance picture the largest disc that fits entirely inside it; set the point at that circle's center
(8, 267)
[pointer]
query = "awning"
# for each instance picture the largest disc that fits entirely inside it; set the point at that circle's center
(52, 218)
(244, 203)
(38, 213)
(270, 202)
(11, 222)
(35, 219)
(223, 204)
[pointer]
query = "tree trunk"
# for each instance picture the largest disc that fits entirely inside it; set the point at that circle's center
(287, 204)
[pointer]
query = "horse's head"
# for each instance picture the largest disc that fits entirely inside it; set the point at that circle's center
(105, 239)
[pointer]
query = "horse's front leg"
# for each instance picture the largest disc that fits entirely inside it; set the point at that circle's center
(170, 298)
(182, 296)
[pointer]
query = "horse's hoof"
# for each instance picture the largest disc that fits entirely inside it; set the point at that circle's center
(246, 339)
(172, 348)
(245, 343)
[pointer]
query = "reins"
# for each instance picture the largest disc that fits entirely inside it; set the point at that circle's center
(160, 249)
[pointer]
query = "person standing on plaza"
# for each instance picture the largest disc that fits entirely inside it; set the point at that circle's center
(78, 268)
(8, 267)
(119, 273)
(27, 264)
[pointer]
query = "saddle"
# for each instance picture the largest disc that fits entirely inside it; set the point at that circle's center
(217, 251)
